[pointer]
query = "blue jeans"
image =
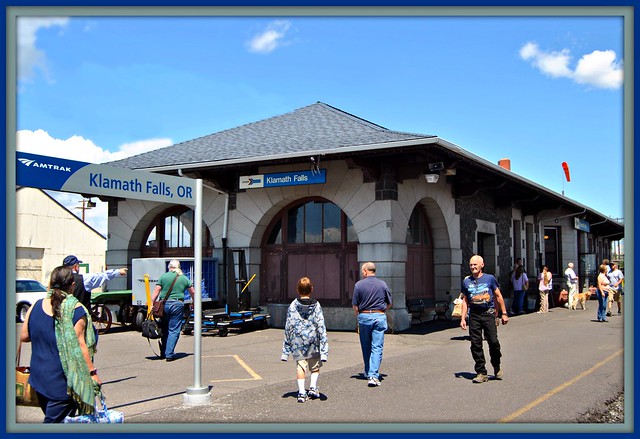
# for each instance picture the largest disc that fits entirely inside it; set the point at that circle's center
(518, 301)
(171, 324)
(602, 305)
(372, 328)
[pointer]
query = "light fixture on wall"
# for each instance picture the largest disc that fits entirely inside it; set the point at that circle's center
(432, 177)
(433, 174)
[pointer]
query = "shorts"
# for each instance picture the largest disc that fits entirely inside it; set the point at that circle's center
(311, 364)
(617, 296)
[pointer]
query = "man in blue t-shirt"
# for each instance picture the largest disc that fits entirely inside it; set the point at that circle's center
(371, 300)
(481, 294)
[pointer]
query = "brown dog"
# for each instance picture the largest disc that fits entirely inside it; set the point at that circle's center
(580, 298)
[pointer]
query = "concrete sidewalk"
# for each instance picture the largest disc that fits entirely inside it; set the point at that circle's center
(557, 366)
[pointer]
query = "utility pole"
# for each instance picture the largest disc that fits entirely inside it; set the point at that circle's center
(86, 204)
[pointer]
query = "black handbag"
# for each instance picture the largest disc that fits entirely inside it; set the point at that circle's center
(151, 329)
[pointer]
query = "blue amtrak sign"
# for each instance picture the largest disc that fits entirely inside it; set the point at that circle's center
(72, 176)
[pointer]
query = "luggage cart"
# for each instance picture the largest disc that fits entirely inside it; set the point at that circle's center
(237, 313)
(221, 320)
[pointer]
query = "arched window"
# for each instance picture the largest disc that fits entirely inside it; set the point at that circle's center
(314, 222)
(419, 273)
(171, 234)
(312, 238)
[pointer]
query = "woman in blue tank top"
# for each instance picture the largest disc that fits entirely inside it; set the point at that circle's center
(62, 370)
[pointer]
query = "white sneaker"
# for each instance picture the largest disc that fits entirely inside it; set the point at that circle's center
(313, 393)
(373, 382)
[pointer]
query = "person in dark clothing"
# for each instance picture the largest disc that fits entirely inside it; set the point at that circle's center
(90, 281)
(62, 349)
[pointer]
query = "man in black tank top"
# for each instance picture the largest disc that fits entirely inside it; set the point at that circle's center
(84, 285)
(79, 291)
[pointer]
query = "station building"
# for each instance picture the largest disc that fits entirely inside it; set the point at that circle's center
(318, 191)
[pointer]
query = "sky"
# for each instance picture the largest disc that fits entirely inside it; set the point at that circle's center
(536, 90)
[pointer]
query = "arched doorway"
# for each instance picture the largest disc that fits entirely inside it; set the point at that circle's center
(311, 237)
(419, 273)
(170, 234)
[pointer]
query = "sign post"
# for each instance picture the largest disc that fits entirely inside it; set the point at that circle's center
(63, 175)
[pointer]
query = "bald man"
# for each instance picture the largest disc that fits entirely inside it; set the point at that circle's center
(482, 298)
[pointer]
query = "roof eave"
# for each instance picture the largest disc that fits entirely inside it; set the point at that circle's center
(301, 154)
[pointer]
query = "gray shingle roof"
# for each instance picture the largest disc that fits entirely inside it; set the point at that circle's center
(313, 128)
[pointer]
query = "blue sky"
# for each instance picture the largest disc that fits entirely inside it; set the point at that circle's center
(536, 90)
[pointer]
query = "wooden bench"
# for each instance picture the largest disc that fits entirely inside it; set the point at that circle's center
(418, 307)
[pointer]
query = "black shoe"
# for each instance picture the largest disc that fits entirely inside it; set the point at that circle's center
(170, 359)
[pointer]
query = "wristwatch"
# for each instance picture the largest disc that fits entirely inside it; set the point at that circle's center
(93, 372)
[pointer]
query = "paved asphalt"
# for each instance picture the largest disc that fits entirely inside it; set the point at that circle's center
(556, 367)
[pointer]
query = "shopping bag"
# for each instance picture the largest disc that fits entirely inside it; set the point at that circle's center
(25, 394)
(457, 308)
(100, 416)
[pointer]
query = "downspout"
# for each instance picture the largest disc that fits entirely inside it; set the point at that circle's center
(225, 226)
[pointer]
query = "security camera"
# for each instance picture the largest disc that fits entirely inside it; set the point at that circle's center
(437, 166)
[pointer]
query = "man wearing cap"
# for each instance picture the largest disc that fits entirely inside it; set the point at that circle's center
(88, 282)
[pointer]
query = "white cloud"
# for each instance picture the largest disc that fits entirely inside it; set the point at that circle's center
(29, 57)
(600, 69)
(597, 69)
(78, 148)
(270, 39)
(81, 149)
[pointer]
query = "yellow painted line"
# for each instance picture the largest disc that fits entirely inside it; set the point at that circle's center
(254, 375)
(247, 368)
(558, 389)
(234, 380)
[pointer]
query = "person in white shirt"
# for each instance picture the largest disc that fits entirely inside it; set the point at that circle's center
(572, 283)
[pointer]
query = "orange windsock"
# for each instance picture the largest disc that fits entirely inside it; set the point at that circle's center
(566, 170)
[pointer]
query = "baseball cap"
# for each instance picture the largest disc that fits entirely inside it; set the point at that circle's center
(70, 261)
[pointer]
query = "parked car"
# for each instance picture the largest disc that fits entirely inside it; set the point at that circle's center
(28, 291)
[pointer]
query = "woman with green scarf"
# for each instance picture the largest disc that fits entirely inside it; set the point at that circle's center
(62, 349)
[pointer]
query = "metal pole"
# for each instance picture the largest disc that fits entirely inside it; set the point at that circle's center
(197, 394)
